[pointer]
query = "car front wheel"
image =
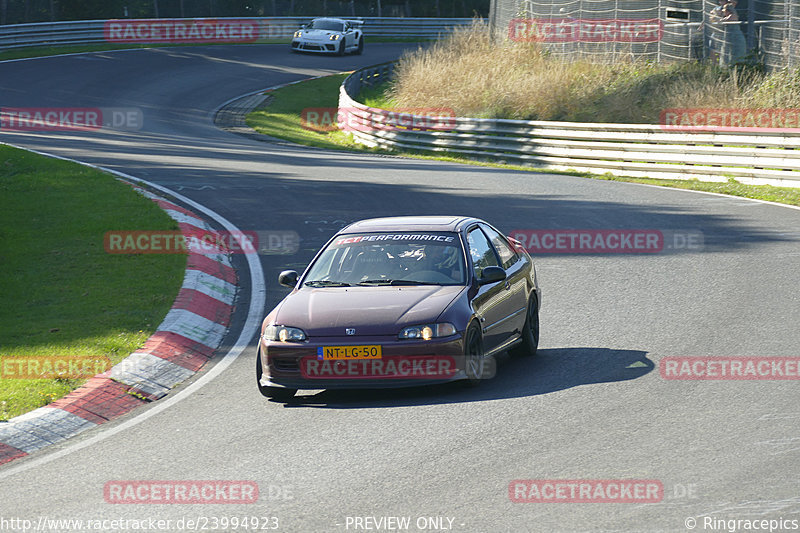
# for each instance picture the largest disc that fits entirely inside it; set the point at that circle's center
(274, 393)
(360, 48)
(474, 358)
(530, 331)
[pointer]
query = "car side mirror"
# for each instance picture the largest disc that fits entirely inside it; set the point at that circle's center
(288, 278)
(491, 274)
(302, 26)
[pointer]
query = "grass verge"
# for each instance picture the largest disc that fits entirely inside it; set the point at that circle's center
(63, 295)
(281, 118)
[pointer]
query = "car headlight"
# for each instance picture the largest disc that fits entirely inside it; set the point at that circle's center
(335, 37)
(284, 334)
(427, 331)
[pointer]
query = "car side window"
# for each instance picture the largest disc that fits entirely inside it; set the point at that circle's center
(481, 251)
(507, 254)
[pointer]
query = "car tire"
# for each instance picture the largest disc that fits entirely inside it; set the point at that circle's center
(340, 50)
(275, 393)
(475, 362)
(360, 48)
(530, 331)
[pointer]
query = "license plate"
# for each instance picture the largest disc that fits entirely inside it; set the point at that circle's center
(347, 353)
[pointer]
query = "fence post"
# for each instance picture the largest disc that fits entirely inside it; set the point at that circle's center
(662, 15)
(794, 35)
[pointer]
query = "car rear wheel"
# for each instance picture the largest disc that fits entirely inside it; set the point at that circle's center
(360, 48)
(530, 331)
(474, 358)
(275, 393)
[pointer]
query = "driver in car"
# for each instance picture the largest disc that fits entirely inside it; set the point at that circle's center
(442, 260)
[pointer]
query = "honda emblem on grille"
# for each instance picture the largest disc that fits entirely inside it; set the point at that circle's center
(350, 331)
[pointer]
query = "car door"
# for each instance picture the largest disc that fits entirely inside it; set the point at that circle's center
(347, 35)
(489, 303)
(516, 280)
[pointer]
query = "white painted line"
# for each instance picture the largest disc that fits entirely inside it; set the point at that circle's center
(255, 314)
(73, 54)
(714, 194)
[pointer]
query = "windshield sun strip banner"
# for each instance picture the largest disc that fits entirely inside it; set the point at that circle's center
(396, 237)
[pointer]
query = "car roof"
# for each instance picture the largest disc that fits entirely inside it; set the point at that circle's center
(409, 223)
(330, 18)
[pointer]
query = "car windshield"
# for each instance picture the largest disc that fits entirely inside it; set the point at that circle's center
(374, 259)
(326, 25)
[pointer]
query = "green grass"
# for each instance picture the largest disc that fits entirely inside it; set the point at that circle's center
(63, 295)
(282, 116)
(377, 96)
(281, 119)
(781, 195)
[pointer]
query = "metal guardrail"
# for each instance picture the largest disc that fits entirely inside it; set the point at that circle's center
(92, 31)
(638, 150)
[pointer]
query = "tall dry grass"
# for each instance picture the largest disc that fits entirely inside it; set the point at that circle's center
(477, 77)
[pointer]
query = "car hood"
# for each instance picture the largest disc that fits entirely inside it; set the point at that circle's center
(318, 34)
(370, 310)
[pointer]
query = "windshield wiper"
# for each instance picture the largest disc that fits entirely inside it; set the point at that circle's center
(395, 282)
(326, 283)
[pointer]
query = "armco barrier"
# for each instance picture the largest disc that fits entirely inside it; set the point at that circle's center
(92, 31)
(637, 150)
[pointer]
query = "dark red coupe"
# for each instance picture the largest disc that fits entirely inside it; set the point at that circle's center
(398, 302)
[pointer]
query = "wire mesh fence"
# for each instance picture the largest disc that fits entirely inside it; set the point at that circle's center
(722, 31)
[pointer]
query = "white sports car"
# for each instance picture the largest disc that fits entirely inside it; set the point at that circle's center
(330, 35)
